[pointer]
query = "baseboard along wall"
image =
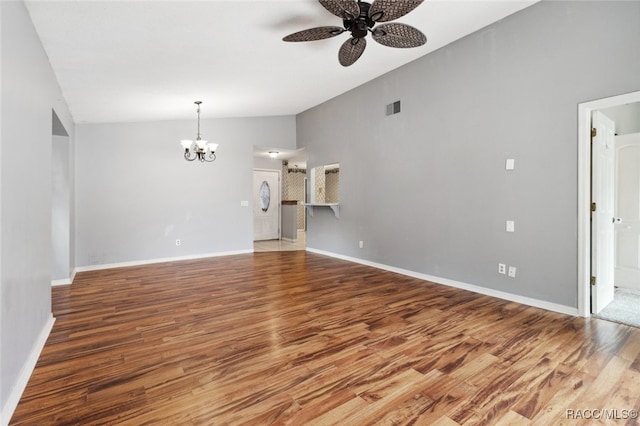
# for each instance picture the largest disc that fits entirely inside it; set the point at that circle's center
(25, 373)
(542, 304)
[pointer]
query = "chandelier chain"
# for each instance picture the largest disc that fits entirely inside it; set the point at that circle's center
(198, 103)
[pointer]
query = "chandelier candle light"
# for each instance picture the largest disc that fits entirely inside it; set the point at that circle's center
(199, 149)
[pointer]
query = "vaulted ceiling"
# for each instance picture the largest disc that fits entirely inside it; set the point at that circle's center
(119, 61)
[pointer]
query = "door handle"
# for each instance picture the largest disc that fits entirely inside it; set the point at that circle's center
(617, 220)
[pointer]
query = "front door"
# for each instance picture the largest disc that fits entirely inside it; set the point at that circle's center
(266, 205)
(602, 219)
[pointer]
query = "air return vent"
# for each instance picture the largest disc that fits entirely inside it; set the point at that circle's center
(393, 108)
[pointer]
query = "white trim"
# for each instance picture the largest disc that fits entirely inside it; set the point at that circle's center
(584, 192)
(64, 281)
(25, 373)
(159, 260)
(549, 306)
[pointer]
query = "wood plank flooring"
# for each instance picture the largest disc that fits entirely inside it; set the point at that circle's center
(298, 338)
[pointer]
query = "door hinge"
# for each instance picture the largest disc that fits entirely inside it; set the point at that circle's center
(594, 132)
(593, 207)
(593, 280)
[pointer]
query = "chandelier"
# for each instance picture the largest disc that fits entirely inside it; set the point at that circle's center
(199, 149)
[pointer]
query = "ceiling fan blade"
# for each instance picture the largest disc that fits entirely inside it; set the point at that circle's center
(312, 34)
(345, 9)
(399, 35)
(351, 50)
(388, 10)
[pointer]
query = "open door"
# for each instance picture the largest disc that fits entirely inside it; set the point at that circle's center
(602, 216)
(627, 272)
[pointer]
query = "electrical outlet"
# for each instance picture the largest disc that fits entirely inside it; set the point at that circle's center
(361, 244)
(178, 242)
(502, 268)
(512, 271)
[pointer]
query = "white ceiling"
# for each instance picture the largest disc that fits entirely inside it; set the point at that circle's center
(119, 61)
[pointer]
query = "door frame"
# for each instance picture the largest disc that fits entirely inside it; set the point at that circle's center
(584, 192)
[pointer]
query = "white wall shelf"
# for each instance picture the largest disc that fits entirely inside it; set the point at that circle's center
(333, 206)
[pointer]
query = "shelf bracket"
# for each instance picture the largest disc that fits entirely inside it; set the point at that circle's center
(334, 206)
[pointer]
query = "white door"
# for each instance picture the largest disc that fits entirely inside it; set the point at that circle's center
(602, 220)
(627, 227)
(266, 205)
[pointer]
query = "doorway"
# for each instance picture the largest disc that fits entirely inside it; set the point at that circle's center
(596, 245)
(60, 204)
(276, 216)
(291, 166)
(627, 218)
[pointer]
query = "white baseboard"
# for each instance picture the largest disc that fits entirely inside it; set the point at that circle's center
(64, 281)
(25, 373)
(543, 304)
(159, 260)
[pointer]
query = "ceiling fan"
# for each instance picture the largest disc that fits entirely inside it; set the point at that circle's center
(359, 18)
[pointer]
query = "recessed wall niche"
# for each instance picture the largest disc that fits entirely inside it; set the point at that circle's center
(325, 182)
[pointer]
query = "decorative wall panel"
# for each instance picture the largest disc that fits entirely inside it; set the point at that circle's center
(332, 186)
(293, 189)
(320, 185)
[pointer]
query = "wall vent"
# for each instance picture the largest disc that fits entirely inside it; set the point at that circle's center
(393, 108)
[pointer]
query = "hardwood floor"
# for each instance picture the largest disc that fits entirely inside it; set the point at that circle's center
(298, 338)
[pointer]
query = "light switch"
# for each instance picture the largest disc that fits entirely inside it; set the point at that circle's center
(511, 164)
(511, 226)
(244, 203)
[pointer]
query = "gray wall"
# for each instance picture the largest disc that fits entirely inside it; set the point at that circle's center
(29, 93)
(136, 194)
(426, 189)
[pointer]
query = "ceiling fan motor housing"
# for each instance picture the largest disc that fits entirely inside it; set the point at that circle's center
(359, 26)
